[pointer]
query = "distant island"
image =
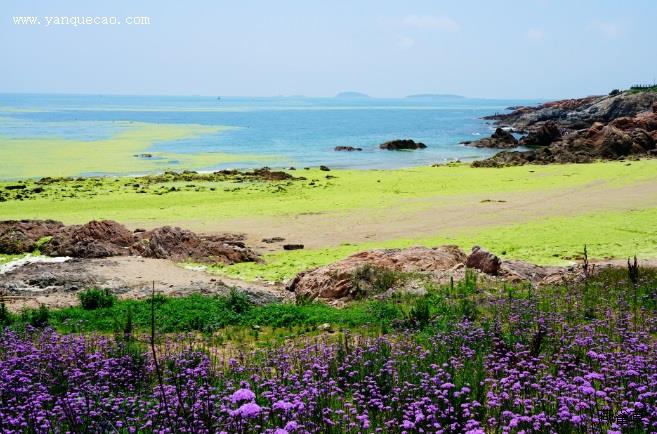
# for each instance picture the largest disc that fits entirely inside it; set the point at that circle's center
(435, 96)
(352, 95)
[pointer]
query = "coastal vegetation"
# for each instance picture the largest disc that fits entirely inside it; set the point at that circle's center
(570, 357)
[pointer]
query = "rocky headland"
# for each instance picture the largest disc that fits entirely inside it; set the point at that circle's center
(612, 127)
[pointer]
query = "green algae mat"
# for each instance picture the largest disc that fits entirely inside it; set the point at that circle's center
(544, 214)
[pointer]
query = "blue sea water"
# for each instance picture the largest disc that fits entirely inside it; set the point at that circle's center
(294, 131)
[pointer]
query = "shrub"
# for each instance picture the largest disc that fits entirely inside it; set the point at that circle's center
(237, 301)
(5, 316)
(95, 298)
(419, 315)
(38, 318)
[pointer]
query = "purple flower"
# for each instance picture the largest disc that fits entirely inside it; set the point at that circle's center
(242, 395)
(249, 410)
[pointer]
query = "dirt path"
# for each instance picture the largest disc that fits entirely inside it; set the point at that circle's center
(57, 284)
(417, 218)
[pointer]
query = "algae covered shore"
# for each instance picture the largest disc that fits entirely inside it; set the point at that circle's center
(543, 214)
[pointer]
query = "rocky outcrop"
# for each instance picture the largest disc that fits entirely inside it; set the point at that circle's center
(582, 130)
(543, 135)
(96, 239)
(500, 139)
(400, 145)
(585, 146)
(338, 280)
(581, 112)
(484, 261)
(368, 273)
(102, 239)
(182, 245)
(22, 236)
(347, 148)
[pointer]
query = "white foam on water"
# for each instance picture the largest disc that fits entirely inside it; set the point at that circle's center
(30, 259)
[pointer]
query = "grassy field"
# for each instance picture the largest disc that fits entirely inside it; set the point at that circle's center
(544, 214)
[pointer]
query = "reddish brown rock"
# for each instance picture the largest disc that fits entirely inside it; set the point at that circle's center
(183, 245)
(22, 236)
(543, 135)
(501, 139)
(96, 239)
(101, 239)
(484, 261)
(336, 281)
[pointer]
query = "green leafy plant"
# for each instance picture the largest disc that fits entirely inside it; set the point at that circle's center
(94, 298)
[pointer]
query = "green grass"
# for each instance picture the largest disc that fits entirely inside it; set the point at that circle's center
(442, 307)
(211, 313)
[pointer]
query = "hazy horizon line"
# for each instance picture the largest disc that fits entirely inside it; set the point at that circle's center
(419, 95)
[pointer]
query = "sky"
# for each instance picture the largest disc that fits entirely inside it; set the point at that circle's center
(501, 49)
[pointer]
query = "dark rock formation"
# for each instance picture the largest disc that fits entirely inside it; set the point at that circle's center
(347, 148)
(582, 130)
(500, 139)
(484, 261)
(293, 246)
(404, 144)
(18, 237)
(183, 245)
(96, 239)
(102, 239)
(273, 240)
(542, 135)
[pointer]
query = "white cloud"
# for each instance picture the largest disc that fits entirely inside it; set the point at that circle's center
(609, 29)
(535, 34)
(405, 42)
(442, 22)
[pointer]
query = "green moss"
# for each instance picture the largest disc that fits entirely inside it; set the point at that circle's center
(8, 258)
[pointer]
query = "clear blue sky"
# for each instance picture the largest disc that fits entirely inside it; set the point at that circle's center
(507, 49)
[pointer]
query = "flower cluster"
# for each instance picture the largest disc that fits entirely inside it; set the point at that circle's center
(523, 372)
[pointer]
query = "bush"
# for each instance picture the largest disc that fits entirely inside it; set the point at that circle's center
(95, 298)
(39, 318)
(420, 315)
(5, 316)
(237, 301)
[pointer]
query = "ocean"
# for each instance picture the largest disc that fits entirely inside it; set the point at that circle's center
(294, 131)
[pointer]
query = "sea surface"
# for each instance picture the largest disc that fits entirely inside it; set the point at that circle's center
(294, 131)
